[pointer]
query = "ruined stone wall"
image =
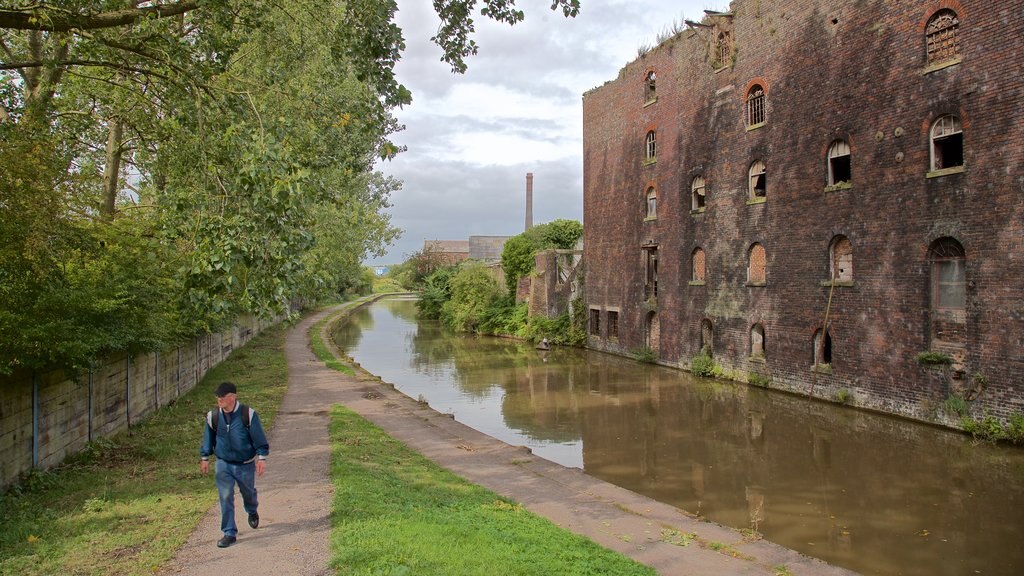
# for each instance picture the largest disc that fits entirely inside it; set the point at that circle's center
(830, 69)
(45, 417)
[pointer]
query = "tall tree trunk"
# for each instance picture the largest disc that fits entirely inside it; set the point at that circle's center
(112, 171)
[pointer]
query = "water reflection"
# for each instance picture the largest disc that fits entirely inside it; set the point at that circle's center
(875, 494)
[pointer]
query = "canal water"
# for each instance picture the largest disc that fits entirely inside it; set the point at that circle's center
(875, 494)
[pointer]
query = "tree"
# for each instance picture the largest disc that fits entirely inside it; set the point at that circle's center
(517, 257)
(180, 162)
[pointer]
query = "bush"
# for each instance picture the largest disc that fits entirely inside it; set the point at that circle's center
(473, 291)
(703, 364)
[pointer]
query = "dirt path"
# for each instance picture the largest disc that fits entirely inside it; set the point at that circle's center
(295, 493)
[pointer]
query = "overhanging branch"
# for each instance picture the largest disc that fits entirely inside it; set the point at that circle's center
(47, 20)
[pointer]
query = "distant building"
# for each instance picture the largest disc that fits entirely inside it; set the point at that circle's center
(380, 270)
(451, 251)
(824, 195)
(487, 248)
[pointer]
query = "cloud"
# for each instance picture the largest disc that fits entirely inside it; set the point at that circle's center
(472, 137)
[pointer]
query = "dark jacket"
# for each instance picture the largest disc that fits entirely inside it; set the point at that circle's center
(232, 442)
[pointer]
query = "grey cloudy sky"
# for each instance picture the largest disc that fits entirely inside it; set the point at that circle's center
(472, 138)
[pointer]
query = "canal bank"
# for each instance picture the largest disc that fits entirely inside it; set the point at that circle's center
(659, 535)
(295, 493)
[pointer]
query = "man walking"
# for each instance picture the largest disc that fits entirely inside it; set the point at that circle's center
(233, 433)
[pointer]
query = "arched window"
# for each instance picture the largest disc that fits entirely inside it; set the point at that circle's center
(756, 270)
(723, 50)
(839, 163)
(948, 275)
(758, 180)
(698, 193)
(822, 353)
(698, 265)
(947, 143)
(707, 337)
(757, 341)
(649, 87)
(651, 148)
(755, 106)
(942, 39)
(652, 203)
(840, 259)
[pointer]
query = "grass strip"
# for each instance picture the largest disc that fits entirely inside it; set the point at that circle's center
(396, 512)
(127, 503)
(320, 349)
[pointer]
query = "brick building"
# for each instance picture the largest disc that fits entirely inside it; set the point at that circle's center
(817, 192)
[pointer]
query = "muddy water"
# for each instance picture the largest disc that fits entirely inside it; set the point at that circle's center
(871, 493)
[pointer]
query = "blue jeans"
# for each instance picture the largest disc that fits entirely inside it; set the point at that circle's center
(227, 475)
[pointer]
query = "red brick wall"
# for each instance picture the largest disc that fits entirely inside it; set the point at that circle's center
(831, 69)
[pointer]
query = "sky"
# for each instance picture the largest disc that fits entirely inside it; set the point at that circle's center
(473, 137)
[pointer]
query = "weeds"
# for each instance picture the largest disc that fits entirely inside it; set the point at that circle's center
(645, 354)
(703, 364)
(844, 396)
(934, 359)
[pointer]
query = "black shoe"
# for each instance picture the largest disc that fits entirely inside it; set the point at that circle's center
(226, 541)
(254, 520)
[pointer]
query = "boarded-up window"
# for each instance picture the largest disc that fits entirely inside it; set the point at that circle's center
(698, 265)
(652, 203)
(613, 324)
(595, 321)
(758, 263)
(841, 259)
(755, 106)
(949, 275)
(942, 37)
(651, 272)
(758, 180)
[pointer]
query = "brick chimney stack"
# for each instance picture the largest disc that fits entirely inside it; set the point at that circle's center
(529, 200)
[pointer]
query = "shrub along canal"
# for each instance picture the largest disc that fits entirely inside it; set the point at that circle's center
(872, 493)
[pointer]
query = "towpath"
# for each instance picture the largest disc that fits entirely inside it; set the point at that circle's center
(296, 491)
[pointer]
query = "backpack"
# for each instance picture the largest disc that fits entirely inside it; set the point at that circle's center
(215, 417)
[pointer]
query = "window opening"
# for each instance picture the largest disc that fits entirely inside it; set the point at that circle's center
(757, 341)
(651, 272)
(649, 86)
(595, 322)
(942, 37)
(947, 143)
(699, 193)
(822, 350)
(758, 180)
(698, 265)
(651, 150)
(949, 275)
(839, 163)
(755, 106)
(841, 260)
(723, 50)
(613, 324)
(756, 271)
(707, 334)
(652, 203)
